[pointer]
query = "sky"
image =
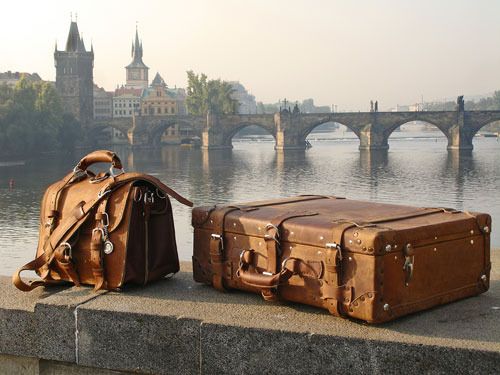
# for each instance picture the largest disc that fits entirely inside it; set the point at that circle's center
(344, 53)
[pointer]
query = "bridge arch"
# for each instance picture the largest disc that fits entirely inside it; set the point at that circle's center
(310, 127)
(158, 128)
(228, 136)
(106, 133)
(478, 126)
(391, 129)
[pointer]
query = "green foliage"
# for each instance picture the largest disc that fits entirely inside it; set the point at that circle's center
(205, 95)
(491, 103)
(32, 120)
(306, 106)
(264, 108)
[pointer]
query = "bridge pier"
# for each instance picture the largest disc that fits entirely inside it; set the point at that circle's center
(137, 136)
(459, 135)
(212, 135)
(371, 137)
(288, 132)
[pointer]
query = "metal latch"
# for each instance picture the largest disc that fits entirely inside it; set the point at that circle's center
(408, 265)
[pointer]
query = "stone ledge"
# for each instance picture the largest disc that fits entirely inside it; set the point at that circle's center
(178, 326)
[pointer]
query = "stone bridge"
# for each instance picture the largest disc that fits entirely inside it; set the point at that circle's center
(291, 129)
(146, 131)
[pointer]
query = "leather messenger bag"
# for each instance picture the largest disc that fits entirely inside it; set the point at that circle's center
(104, 229)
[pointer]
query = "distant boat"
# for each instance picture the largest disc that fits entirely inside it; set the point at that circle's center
(191, 142)
(12, 163)
(490, 135)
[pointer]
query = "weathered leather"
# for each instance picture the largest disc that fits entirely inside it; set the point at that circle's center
(363, 260)
(84, 215)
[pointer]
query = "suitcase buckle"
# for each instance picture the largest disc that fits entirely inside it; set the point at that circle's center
(336, 246)
(217, 237)
(408, 265)
(276, 236)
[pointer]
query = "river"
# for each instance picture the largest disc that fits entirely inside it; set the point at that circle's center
(417, 170)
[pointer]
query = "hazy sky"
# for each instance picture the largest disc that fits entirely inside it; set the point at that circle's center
(337, 52)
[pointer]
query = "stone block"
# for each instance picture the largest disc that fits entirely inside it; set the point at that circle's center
(10, 364)
(228, 350)
(139, 342)
(55, 322)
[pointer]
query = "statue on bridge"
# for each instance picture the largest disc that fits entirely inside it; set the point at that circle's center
(460, 103)
(376, 105)
(296, 109)
(284, 109)
(371, 105)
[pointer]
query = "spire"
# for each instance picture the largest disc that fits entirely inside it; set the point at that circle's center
(137, 48)
(136, 36)
(81, 45)
(158, 81)
(137, 51)
(73, 38)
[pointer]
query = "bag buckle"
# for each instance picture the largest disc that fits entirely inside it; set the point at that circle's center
(68, 251)
(149, 197)
(102, 193)
(112, 171)
(103, 237)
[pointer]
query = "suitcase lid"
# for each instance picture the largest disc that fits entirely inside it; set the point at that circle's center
(367, 227)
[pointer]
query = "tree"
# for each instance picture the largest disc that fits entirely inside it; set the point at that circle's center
(32, 120)
(205, 95)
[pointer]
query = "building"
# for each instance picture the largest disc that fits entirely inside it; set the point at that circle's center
(417, 107)
(246, 101)
(137, 71)
(180, 97)
(126, 101)
(103, 103)
(11, 78)
(159, 100)
(74, 76)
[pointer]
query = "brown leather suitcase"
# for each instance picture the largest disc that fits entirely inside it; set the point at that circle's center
(105, 230)
(368, 261)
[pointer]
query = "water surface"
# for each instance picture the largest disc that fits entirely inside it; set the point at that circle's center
(417, 170)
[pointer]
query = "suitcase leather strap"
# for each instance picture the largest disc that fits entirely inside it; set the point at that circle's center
(333, 292)
(300, 198)
(272, 239)
(217, 247)
(372, 223)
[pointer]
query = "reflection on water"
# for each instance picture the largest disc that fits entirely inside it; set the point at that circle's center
(414, 171)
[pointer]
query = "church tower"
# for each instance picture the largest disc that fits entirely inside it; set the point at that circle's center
(74, 76)
(137, 71)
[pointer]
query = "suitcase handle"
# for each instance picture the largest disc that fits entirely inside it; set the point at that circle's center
(264, 280)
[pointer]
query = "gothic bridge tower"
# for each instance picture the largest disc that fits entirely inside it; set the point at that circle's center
(74, 76)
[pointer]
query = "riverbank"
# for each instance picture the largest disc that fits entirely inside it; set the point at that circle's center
(178, 326)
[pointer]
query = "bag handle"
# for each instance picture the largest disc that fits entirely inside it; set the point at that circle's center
(99, 156)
